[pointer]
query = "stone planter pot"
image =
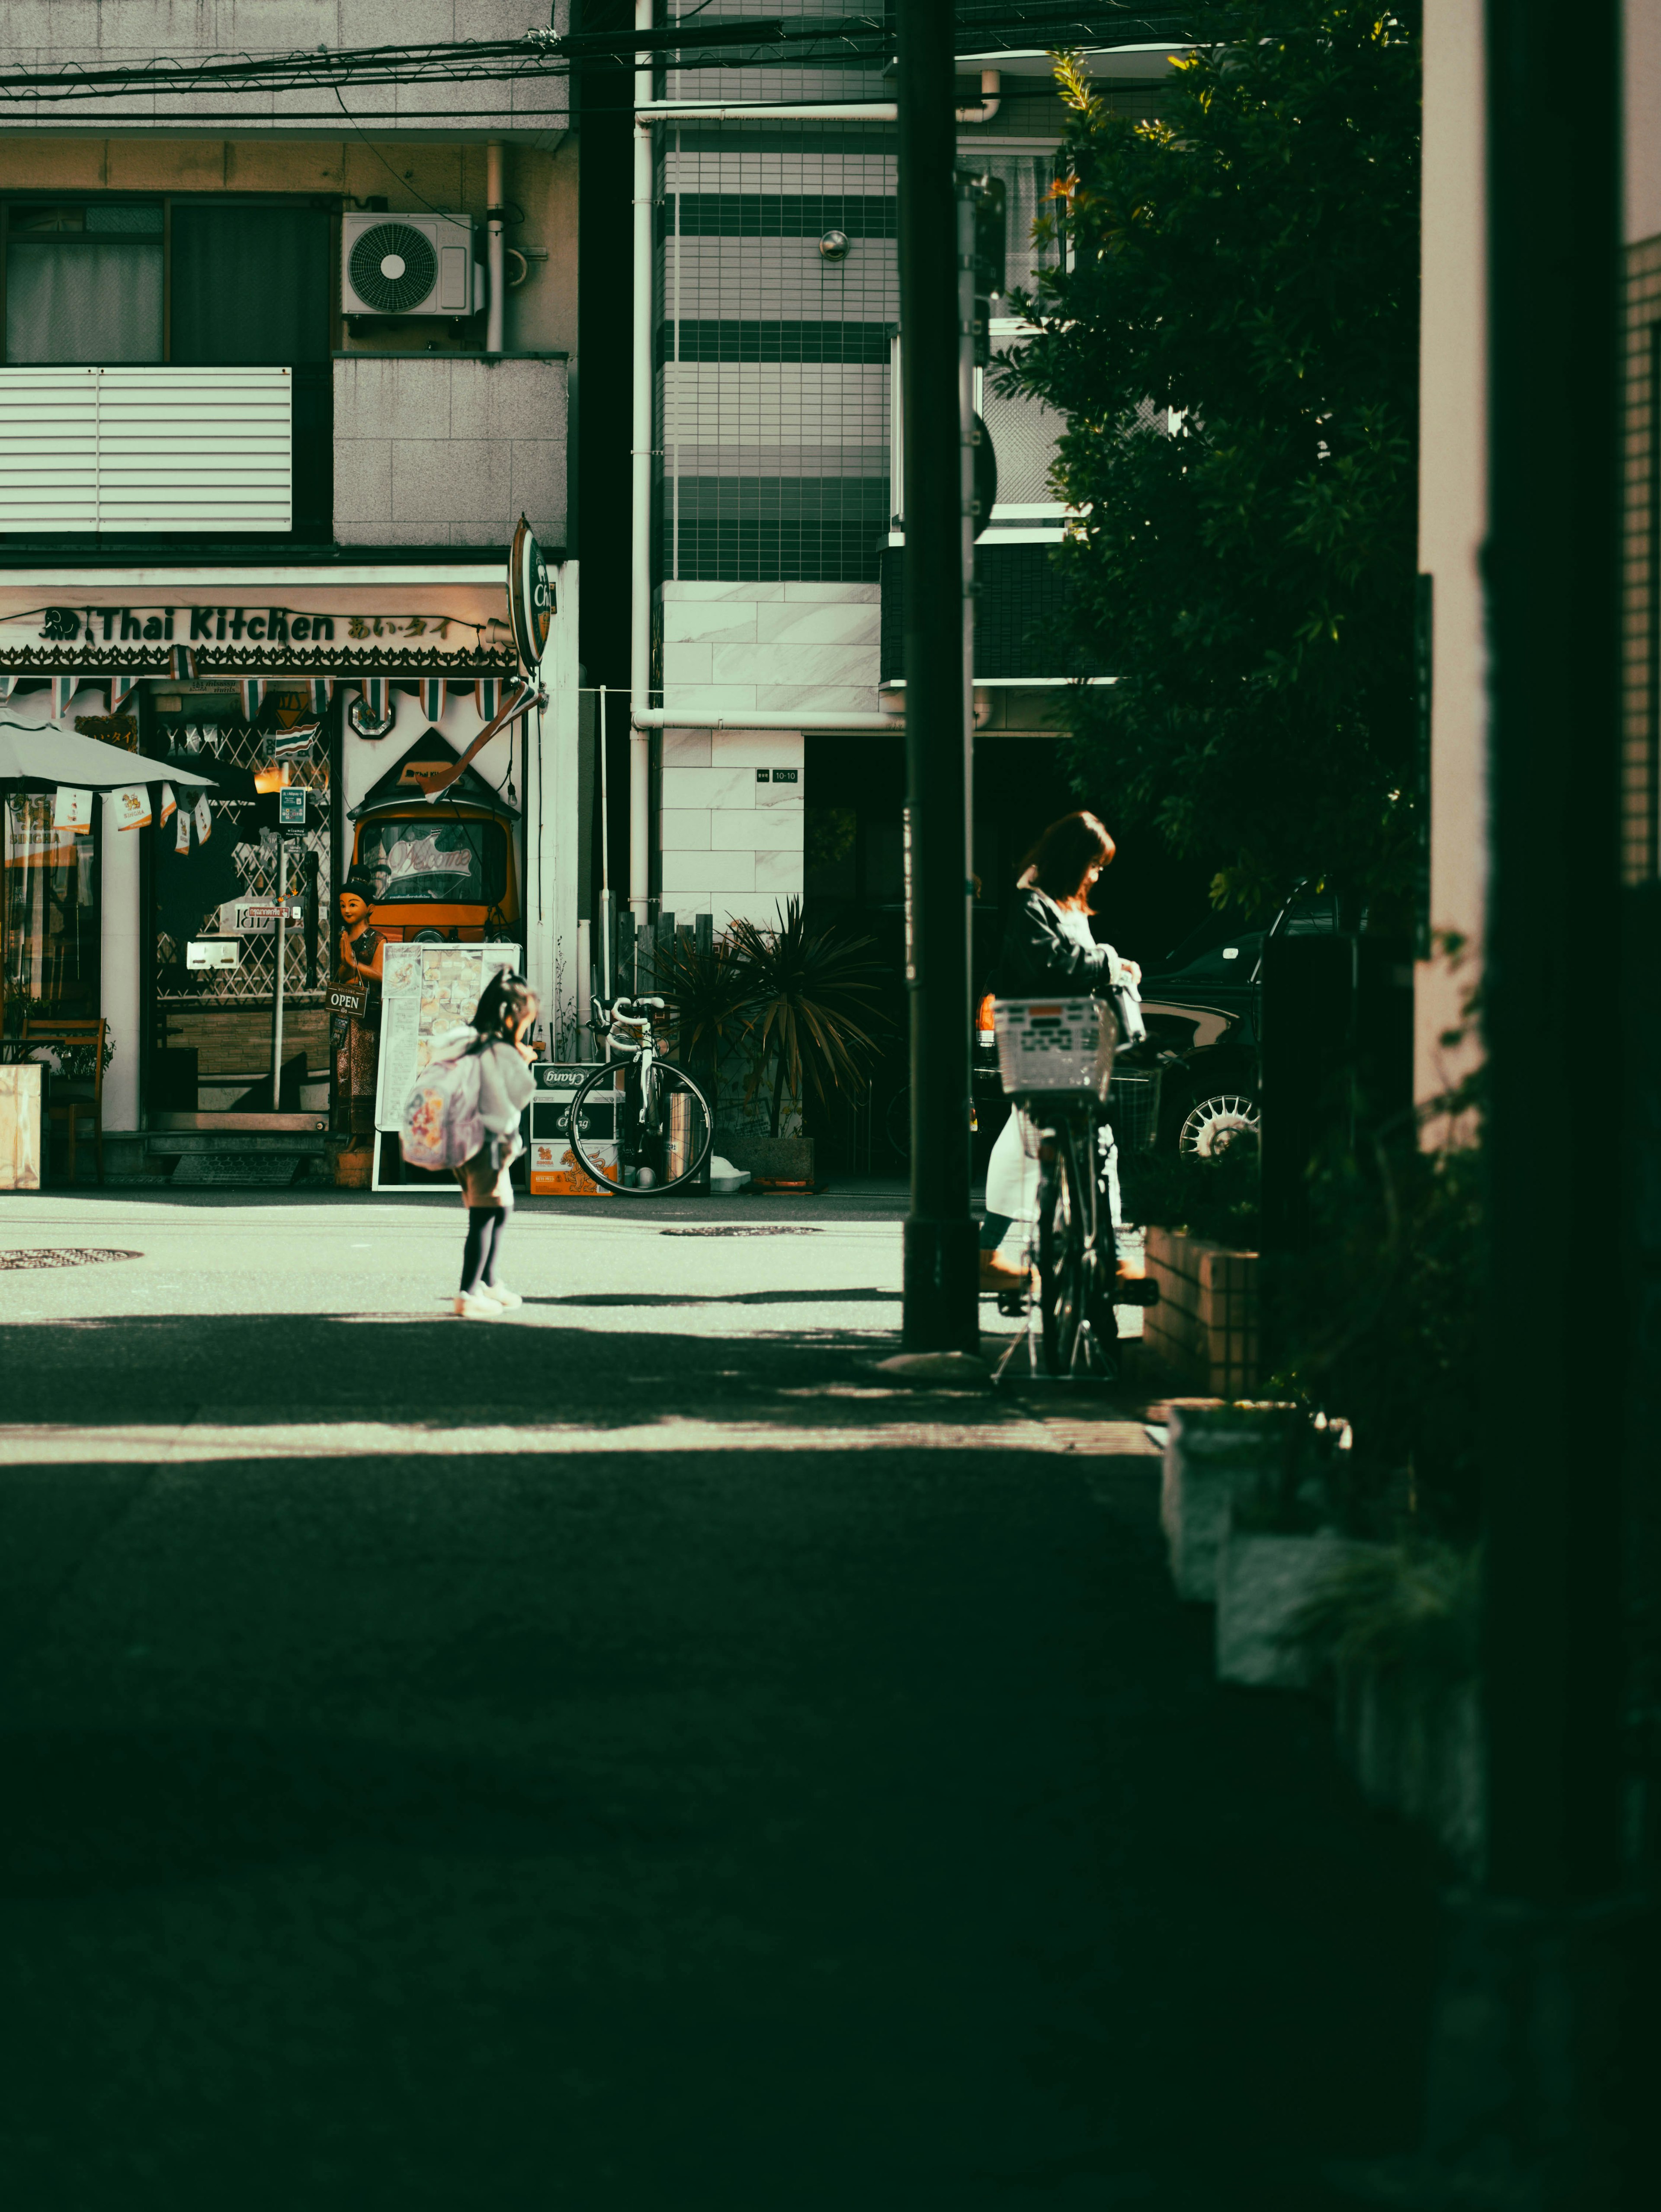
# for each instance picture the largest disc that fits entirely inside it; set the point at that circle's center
(1264, 1578)
(1414, 1742)
(1210, 1448)
(770, 1159)
(1203, 1333)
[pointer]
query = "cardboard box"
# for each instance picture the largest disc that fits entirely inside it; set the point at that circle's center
(555, 1172)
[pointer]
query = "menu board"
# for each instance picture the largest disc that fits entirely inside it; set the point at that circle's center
(426, 990)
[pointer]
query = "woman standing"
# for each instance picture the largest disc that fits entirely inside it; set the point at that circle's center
(1048, 947)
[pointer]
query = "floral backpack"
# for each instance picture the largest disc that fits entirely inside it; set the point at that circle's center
(441, 1126)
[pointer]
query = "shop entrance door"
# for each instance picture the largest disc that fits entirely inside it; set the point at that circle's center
(240, 1028)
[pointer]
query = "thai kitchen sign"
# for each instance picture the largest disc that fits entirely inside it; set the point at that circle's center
(223, 638)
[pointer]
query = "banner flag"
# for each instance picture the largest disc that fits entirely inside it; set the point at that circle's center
(71, 808)
(253, 688)
(130, 803)
(432, 697)
(181, 832)
(322, 689)
(487, 694)
(122, 687)
(64, 688)
(169, 803)
(376, 697)
(203, 820)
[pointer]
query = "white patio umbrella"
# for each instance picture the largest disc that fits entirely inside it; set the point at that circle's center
(67, 756)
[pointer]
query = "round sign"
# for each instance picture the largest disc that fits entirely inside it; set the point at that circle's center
(529, 597)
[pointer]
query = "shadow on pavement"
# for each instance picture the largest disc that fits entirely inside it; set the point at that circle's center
(644, 1831)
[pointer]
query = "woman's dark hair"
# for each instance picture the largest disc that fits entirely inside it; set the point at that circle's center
(1066, 854)
(507, 998)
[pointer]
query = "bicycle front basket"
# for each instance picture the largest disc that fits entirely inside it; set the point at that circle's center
(1055, 1045)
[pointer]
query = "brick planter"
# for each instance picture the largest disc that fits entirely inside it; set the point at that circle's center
(1203, 1335)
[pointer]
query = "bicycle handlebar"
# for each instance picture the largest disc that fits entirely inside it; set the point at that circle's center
(653, 1005)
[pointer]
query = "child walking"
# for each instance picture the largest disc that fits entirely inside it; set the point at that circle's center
(504, 1016)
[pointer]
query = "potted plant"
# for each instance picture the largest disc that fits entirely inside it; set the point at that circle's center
(1211, 1446)
(1396, 1625)
(811, 995)
(1282, 1537)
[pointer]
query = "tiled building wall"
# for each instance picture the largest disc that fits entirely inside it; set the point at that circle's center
(773, 362)
(1641, 781)
(443, 452)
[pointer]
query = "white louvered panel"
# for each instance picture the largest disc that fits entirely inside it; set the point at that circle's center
(147, 449)
(49, 449)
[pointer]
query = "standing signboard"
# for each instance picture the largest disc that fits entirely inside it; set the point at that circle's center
(425, 990)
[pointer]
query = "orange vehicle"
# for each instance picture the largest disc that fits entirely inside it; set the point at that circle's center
(445, 871)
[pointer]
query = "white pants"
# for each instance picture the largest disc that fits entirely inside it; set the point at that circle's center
(1011, 1172)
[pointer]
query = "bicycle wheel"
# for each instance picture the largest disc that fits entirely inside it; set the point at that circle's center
(1065, 1215)
(635, 1150)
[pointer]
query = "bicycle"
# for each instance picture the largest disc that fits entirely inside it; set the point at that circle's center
(1056, 1059)
(661, 1120)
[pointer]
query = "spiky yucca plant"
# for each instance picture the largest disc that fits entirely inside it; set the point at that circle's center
(811, 995)
(713, 996)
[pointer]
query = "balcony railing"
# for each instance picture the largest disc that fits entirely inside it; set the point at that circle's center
(164, 451)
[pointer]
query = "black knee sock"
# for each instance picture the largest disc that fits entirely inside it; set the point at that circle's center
(493, 1246)
(481, 1225)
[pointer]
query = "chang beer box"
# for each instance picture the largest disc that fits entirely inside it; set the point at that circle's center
(555, 1170)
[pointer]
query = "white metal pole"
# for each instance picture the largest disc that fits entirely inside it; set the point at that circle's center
(494, 256)
(282, 956)
(640, 599)
(607, 918)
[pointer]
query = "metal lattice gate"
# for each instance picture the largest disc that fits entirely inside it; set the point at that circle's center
(258, 845)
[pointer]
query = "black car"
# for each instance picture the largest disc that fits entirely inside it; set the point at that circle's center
(1202, 1005)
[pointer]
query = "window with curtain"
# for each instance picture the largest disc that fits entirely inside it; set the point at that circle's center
(84, 283)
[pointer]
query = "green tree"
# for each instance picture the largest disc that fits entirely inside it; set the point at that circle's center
(1245, 270)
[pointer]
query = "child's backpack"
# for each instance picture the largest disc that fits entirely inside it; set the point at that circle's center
(441, 1127)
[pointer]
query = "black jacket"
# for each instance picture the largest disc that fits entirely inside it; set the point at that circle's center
(1038, 956)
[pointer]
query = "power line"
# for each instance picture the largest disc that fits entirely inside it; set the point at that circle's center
(742, 43)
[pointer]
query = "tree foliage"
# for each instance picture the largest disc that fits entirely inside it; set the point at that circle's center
(1247, 266)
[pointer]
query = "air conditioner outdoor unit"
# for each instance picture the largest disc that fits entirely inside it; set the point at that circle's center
(410, 265)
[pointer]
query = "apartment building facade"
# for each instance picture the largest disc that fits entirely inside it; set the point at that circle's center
(777, 612)
(278, 383)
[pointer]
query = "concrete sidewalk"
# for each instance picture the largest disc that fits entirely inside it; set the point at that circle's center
(633, 1757)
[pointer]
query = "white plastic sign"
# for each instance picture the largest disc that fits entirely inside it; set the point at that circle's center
(130, 803)
(71, 808)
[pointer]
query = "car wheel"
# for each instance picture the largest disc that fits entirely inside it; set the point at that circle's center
(1216, 1121)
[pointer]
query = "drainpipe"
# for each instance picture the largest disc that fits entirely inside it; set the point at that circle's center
(494, 256)
(640, 582)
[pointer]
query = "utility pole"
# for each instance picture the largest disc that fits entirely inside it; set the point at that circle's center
(1539, 1990)
(937, 285)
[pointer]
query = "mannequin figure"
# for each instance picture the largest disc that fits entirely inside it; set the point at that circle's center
(362, 948)
(357, 1038)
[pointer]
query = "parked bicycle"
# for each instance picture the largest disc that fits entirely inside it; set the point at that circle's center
(639, 1105)
(1057, 1058)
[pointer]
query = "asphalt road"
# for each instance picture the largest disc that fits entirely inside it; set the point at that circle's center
(631, 1756)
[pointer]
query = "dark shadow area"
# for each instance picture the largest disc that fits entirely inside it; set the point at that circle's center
(729, 1827)
(859, 1295)
(107, 1811)
(260, 1369)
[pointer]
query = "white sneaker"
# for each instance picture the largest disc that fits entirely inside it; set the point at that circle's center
(471, 1305)
(501, 1294)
